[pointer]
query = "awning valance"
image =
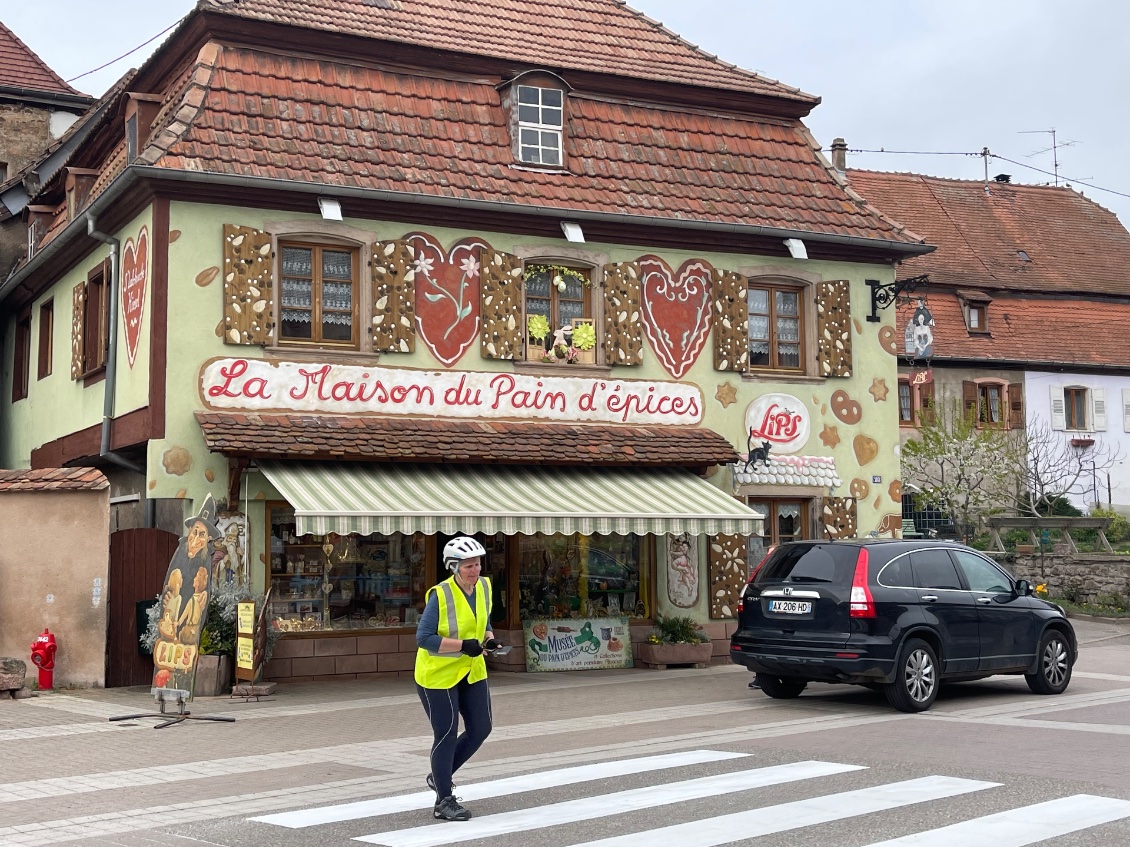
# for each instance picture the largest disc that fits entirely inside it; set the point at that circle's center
(388, 498)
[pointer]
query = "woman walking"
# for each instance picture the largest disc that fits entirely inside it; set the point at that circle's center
(451, 673)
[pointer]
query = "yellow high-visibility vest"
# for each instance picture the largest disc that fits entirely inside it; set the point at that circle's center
(444, 670)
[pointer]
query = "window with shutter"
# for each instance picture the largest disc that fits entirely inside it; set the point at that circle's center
(318, 293)
(1098, 409)
(1075, 404)
(1126, 409)
(96, 320)
(21, 368)
(1016, 405)
(1058, 406)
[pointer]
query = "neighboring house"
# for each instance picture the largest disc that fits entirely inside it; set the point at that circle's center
(336, 260)
(36, 108)
(1030, 295)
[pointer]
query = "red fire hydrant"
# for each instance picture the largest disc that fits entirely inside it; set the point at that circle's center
(43, 657)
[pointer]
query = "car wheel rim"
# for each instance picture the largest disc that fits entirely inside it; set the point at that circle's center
(1055, 662)
(919, 676)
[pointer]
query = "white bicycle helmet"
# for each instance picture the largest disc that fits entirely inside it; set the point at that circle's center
(460, 548)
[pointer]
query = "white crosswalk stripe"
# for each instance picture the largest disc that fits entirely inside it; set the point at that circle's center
(1018, 827)
(572, 811)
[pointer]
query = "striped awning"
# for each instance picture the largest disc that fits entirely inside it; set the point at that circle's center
(387, 498)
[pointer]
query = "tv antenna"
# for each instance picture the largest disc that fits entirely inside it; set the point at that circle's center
(1054, 149)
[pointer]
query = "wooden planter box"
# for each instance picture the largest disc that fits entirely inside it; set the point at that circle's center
(214, 675)
(659, 656)
(534, 352)
(586, 357)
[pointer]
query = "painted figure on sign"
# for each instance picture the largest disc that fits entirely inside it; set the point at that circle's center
(921, 332)
(757, 454)
(682, 572)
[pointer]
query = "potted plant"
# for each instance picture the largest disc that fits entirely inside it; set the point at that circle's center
(584, 340)
(537, 328)
(676, 641)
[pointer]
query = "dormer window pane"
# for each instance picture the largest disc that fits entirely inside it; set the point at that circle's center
(540, 122)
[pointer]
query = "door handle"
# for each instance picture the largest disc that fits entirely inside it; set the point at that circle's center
(930, 598)
(984, 601)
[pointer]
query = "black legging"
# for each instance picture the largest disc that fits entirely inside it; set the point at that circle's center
(443, 705)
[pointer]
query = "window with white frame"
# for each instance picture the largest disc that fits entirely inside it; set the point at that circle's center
(1078, 408)
(540, 124)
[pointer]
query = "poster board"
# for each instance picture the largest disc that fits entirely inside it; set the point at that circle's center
(245, 642)
(577, 644)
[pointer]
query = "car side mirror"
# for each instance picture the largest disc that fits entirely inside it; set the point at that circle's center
(1023, 588)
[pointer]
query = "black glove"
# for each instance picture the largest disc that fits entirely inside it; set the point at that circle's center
(491, 644)
(471, 647)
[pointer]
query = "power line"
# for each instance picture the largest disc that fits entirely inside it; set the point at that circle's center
(1065, 178)
(134, 50)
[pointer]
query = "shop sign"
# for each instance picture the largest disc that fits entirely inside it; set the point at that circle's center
(780, 419)
(135, 269)
(924, 377)
(257, 385)
(581, 644)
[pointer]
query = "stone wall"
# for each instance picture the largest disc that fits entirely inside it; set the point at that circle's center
(25, 131)
(1083, 577)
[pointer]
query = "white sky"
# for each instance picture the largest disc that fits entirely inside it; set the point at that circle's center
(952, 76)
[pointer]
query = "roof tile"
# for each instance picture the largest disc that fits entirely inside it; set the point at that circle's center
(53, 479)
(20, 67)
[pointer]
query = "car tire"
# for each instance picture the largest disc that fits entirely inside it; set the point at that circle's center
(781, 687)
(1053, 671)
(916, 678)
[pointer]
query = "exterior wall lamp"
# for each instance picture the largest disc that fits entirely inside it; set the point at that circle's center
(330, 208)
(573, 232)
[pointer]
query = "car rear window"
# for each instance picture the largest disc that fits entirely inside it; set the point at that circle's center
(810, 563)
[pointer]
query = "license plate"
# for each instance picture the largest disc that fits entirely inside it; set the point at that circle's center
(790, 607)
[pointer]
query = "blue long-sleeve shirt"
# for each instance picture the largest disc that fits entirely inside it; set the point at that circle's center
(427, 630)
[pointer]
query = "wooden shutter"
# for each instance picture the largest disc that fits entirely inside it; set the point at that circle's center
(927, 410)
(833, 327)
(78, 312)
(623, 324)
(393, 323)
(1059, 410)
(500, 305)
(249, 300)
(1016, 405)
(1098, 409)
(728, 571)
(731, 321)
(970, 400)
(840, 518)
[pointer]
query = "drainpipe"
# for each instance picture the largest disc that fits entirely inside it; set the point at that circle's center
(112, 356)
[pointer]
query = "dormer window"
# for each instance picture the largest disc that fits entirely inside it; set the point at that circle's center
(540, 123)
(978, 319)
(975, 305)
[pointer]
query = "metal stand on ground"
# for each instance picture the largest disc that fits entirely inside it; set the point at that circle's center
(174, 695)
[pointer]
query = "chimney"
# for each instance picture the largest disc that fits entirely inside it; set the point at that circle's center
(839, 155)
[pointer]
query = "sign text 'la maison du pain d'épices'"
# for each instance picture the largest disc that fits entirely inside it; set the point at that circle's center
(257, 385)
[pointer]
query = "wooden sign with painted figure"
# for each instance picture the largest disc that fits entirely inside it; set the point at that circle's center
(184, 603)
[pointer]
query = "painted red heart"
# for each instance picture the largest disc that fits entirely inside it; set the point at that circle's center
(135, 274)
(677, 310)
(447, 295)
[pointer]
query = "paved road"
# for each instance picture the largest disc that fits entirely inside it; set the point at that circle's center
(673, 758)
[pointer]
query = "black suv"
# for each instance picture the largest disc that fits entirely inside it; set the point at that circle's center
(900, 616)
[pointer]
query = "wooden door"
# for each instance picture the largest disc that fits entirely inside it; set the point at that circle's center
(138, 561)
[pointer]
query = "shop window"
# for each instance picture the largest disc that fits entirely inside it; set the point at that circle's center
(785, 520)
(540, 125)
(318, 294)
(564, 576)
(561, 295)
(373, 582)
(494, 566)
(776, 328)
(46, 337)
(96, 321)
(22, 364)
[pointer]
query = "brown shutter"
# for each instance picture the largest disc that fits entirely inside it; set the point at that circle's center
(500, 305)
(969, 399)
(833, 327)
(927, 413)
(623, 326)
(249, 300)
(1016, 405)
(731, 321)
(728, 574)
(78, 314)
(839, 517)
(393, 322)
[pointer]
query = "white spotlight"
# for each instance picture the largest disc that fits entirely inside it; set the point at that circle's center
(796, 248)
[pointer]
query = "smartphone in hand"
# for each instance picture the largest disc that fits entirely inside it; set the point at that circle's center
(499, 651)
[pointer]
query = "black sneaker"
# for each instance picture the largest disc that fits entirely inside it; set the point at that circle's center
(448, 809)
(432, 783)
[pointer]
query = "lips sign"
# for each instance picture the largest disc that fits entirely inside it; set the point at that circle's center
(676, 310)
(135, 271)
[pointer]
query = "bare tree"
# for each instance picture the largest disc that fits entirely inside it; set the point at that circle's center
(1051, 464)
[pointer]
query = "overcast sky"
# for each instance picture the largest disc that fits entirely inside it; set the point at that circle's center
(950, 76)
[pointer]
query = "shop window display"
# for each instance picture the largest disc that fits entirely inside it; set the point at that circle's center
(578, 576)
(336, 582)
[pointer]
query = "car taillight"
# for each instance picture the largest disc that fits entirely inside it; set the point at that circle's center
(764, 559)
(862, 604)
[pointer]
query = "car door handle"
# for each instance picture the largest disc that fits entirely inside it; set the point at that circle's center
(984, 601)
(930, 598)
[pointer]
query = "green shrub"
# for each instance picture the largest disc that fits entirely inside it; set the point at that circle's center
(1119, 529)
(676, 630)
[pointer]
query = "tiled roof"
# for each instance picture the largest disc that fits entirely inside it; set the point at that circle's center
(253, 113)
(818, 471)
(53, 479)
(1073, 244)
(435, 440)
(1056, 331)
(21, 68)
(600, 36)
